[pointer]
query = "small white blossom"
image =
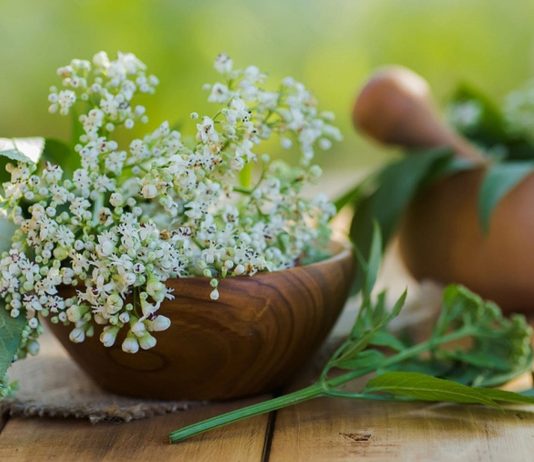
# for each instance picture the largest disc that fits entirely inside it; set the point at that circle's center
(77, 335)
(223, 64)
(130, 344)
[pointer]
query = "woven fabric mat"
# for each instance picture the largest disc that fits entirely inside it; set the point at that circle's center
(52, 385)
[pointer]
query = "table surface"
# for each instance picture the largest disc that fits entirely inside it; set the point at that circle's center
(321, 430)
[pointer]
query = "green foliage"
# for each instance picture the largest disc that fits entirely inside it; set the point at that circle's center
(489, 128)
(384, 197)
(59, 153)
(11, 330)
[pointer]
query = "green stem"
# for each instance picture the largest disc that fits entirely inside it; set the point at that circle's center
(99, 203)
(241, 190)
(245, 176)
(296, 397)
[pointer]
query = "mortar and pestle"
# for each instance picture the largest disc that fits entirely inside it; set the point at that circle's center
(440, 235)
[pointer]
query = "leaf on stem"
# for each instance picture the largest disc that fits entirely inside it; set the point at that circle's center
(424, 387)
(395, 186)
(498, 181)
(10, 339)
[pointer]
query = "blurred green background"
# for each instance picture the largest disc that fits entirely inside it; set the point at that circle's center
(331, 45)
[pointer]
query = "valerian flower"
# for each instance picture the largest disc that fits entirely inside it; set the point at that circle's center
(96, 248)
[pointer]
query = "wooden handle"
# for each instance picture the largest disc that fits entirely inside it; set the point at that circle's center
(395, 107)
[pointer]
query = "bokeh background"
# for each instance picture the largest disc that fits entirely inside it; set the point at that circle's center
(331, 45)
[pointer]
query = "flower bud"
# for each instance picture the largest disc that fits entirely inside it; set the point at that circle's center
(109, 335)
(139, 328)
(77, 335)
(160, 323)
(147, 341)
(130, 344)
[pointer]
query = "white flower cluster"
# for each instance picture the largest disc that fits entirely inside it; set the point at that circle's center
(97, 248)
(519, 111)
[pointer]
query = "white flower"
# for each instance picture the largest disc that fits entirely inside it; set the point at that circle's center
(130, 344)
(160, 323)
(147, 341)
(214, 295)
(109, 335)
(223, 64)
(206, 131)
(139, 328)
(66, 98)
(219, 93)
(149, 191)
(77, 335)
(101, 60)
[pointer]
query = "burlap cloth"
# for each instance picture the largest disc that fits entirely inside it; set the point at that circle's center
(52, 385)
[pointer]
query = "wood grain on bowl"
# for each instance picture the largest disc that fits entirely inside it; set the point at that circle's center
(252, 340)
(441, 238)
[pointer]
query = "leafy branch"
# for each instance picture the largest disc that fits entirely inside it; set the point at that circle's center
(472, 346)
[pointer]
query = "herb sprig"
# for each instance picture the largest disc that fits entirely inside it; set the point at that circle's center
(472, 346)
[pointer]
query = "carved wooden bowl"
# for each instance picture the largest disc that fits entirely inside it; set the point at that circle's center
(441, 238)
(252, 340)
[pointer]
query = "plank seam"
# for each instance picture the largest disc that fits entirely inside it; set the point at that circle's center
(4, 417)
(269, 434)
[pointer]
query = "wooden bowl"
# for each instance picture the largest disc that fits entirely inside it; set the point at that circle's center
(251, 341)
(441, 239)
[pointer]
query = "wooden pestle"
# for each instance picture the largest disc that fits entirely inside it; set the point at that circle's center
(395, 107)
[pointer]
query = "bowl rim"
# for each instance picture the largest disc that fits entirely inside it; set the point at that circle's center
(341, 250)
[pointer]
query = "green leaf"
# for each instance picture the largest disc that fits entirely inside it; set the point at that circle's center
(7, 228)
(58, 153)
(373, 263)
(364, 360)
(480, 359)
(503, 396)
(10, 338)
(22, 149)
(427, 388)
(489, 128)
(352, 195)
(499, 179)
(386, 339)
(396, 185)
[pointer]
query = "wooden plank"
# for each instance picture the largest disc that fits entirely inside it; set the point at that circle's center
(58, 440)
(343, 430)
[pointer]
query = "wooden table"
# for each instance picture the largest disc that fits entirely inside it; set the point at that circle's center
(320, 430)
